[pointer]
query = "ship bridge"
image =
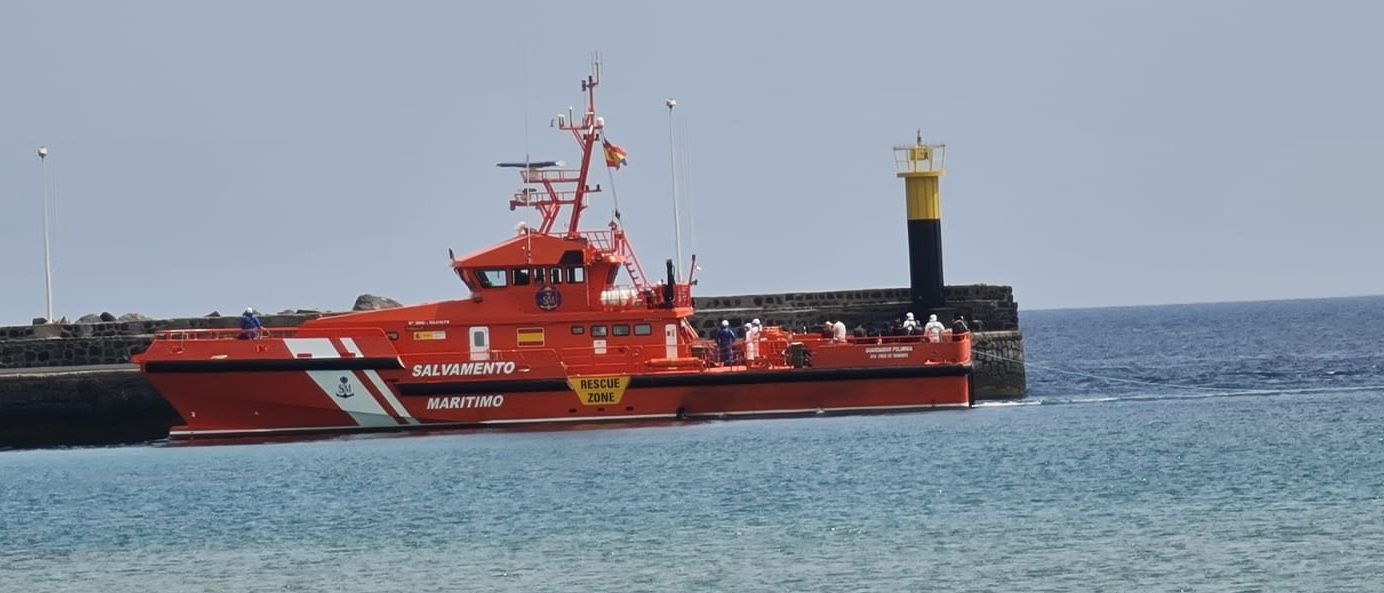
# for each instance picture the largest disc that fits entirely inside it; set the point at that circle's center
(536, 272)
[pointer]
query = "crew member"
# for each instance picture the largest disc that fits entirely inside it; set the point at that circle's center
(725, 337)
(959, 325)
(838, 332)
(250, 326)
(910, 325)
(752, 330)
(934, 328)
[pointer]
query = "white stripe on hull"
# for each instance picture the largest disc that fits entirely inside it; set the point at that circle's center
(359, 404)
(350, 346)
(311, 347)
(389, 396)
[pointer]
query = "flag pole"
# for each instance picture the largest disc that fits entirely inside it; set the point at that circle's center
(614, 195)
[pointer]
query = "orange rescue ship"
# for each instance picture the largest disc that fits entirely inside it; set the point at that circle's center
(547, 336)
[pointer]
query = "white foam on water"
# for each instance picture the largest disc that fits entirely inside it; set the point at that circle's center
(1035, 402)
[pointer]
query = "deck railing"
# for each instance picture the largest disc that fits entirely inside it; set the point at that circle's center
(774, 349)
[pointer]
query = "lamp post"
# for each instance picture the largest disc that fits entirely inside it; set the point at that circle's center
(47, 259)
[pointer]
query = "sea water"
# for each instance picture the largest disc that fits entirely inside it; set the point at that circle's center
(1209, 448)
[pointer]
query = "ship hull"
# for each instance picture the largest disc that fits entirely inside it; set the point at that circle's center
(361, 400)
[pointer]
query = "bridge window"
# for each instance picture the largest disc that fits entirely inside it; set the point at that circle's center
(521, 276)
(555, 277)
(492, 278)
(643, 329)
(578, 330)
(620, 330)
(538, 276)
(576, 275)
(598, 331)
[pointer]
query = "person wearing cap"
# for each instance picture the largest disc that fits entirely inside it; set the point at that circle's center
(725, 338)
(250, 326)
(934, 328)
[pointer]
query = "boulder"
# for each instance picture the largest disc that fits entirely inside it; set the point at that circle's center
(370, 302)
(213, 314)
(90, 318)
(132, 317)
(107, 317)
(40, 321)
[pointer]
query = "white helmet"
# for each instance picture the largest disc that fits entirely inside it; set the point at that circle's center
(249, 310)
(909, 315)
(725, 323)
(755, 322)
(932, 318)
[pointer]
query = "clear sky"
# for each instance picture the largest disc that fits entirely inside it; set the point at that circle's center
(295, 154)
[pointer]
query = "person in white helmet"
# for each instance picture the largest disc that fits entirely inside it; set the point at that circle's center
(725, 338)
(838, 331)
(752, 330)
(250, 326)
(934, 328)
(910, 325)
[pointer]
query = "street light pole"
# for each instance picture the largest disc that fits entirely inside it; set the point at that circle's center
(47, 257)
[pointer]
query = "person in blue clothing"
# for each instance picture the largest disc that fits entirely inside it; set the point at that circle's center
(250, 326)
(725, 337)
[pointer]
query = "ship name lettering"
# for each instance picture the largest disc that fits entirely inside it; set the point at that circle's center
(460, 369)
(461, 402)
(886, 352)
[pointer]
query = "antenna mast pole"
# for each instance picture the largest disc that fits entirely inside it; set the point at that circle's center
(673, 168)
(589, 130)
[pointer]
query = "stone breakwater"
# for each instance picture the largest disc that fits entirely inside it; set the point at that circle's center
(83, 344)
(73, 383)
(992, 304)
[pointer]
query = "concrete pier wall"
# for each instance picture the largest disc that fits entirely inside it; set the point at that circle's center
(92, 406)
(999, 365)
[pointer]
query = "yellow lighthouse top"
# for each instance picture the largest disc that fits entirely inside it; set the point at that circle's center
(919, 159)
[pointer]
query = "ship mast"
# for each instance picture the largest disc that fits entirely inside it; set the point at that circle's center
(548, 187)
(591, 127)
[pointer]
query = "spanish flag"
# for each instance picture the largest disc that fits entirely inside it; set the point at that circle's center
(615, 156)
(529, 336)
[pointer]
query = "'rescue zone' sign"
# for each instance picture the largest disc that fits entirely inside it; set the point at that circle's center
(460, 369)
(599, 391)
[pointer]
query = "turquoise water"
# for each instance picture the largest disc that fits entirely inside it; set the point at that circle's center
(1272, 483)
